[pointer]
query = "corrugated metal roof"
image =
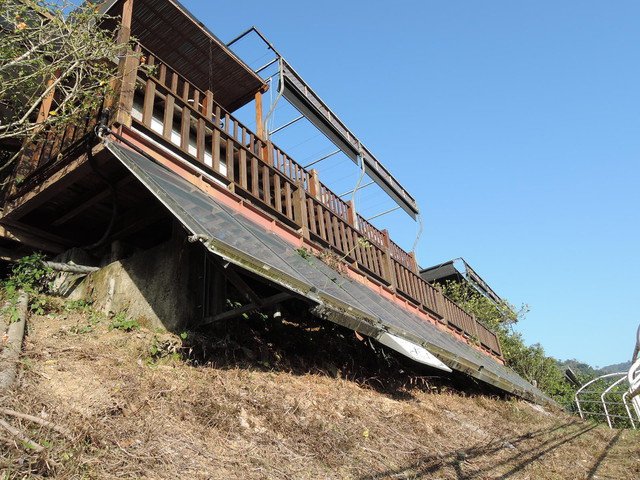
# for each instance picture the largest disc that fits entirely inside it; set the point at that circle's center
(227, 233)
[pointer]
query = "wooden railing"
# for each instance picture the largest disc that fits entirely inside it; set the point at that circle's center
(191, 120)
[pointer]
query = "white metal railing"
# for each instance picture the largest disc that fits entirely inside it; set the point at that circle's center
(609, 385)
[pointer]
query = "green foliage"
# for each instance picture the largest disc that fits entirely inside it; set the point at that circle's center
(29, 274)
(82, 306)
(530, 362)
(122, 322)
(52, 46)
(304, 253)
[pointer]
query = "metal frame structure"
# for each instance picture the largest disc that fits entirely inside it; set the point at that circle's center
(299, 94)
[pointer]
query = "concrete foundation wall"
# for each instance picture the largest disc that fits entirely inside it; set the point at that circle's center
(158, 286)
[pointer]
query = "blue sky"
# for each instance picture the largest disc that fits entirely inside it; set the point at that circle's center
(514, 124)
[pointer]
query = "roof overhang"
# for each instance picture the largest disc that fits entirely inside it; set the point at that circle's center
(173, 34)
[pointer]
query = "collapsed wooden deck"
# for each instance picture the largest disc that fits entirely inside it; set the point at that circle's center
(75, 193)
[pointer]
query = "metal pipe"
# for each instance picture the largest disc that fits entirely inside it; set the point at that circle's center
(280, 93)
(604, 404)
(282, 127)
(384, 213)
(351, 191)
(257, 32)
(580, 390)
(266, 65)
(626, 406)
(353, 195)
(322, 158)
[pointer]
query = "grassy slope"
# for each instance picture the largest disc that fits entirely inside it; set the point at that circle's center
(247, 416)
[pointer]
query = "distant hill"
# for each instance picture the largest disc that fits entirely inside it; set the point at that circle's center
(617, 367)
(586, 371)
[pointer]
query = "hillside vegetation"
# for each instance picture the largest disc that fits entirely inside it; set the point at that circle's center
(257, 398)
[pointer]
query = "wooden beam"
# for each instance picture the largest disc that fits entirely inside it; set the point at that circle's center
(90, 202)
(135, 220)
(236, 312)
(51, 187)
(239, 283)
(33, 237)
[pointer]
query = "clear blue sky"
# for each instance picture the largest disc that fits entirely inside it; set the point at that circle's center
(514, 124)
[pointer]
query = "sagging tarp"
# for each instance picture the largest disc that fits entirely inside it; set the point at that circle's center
(337, 298)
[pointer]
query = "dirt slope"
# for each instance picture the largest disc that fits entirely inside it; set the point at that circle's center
(137, 411)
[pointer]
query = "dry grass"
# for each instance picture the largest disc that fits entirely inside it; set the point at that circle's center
(252, 413)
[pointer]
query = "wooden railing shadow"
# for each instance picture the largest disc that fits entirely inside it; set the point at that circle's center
(428, 466)
(594, 469)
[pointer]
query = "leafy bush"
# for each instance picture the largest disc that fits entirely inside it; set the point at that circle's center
(29, 274)
(530, 362)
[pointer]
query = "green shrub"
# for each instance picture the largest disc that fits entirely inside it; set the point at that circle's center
(122, 322)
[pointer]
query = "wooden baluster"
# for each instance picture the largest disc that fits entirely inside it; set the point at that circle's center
(312, 216)
(329, 226)
(388, 261)
(162, 74)
(336, 232)
(230, 168)
(321, 224)
(343, 238)
(169, 105)
(174, 83)
(266, 185)
(357, 250)
(196, 101)
(200, 134)
(288, 204)
(277, 192)
(216, 142)
(185, 127)
(255, 182)
(242, 168)
(185, 92)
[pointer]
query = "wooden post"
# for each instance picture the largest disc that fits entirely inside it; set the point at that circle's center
(259, 122)
(351, 214)
(388, 261)
(127, 69)
(266, 151)
(300, 210)
(414, 263)
(314, 184)
(45, 107)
